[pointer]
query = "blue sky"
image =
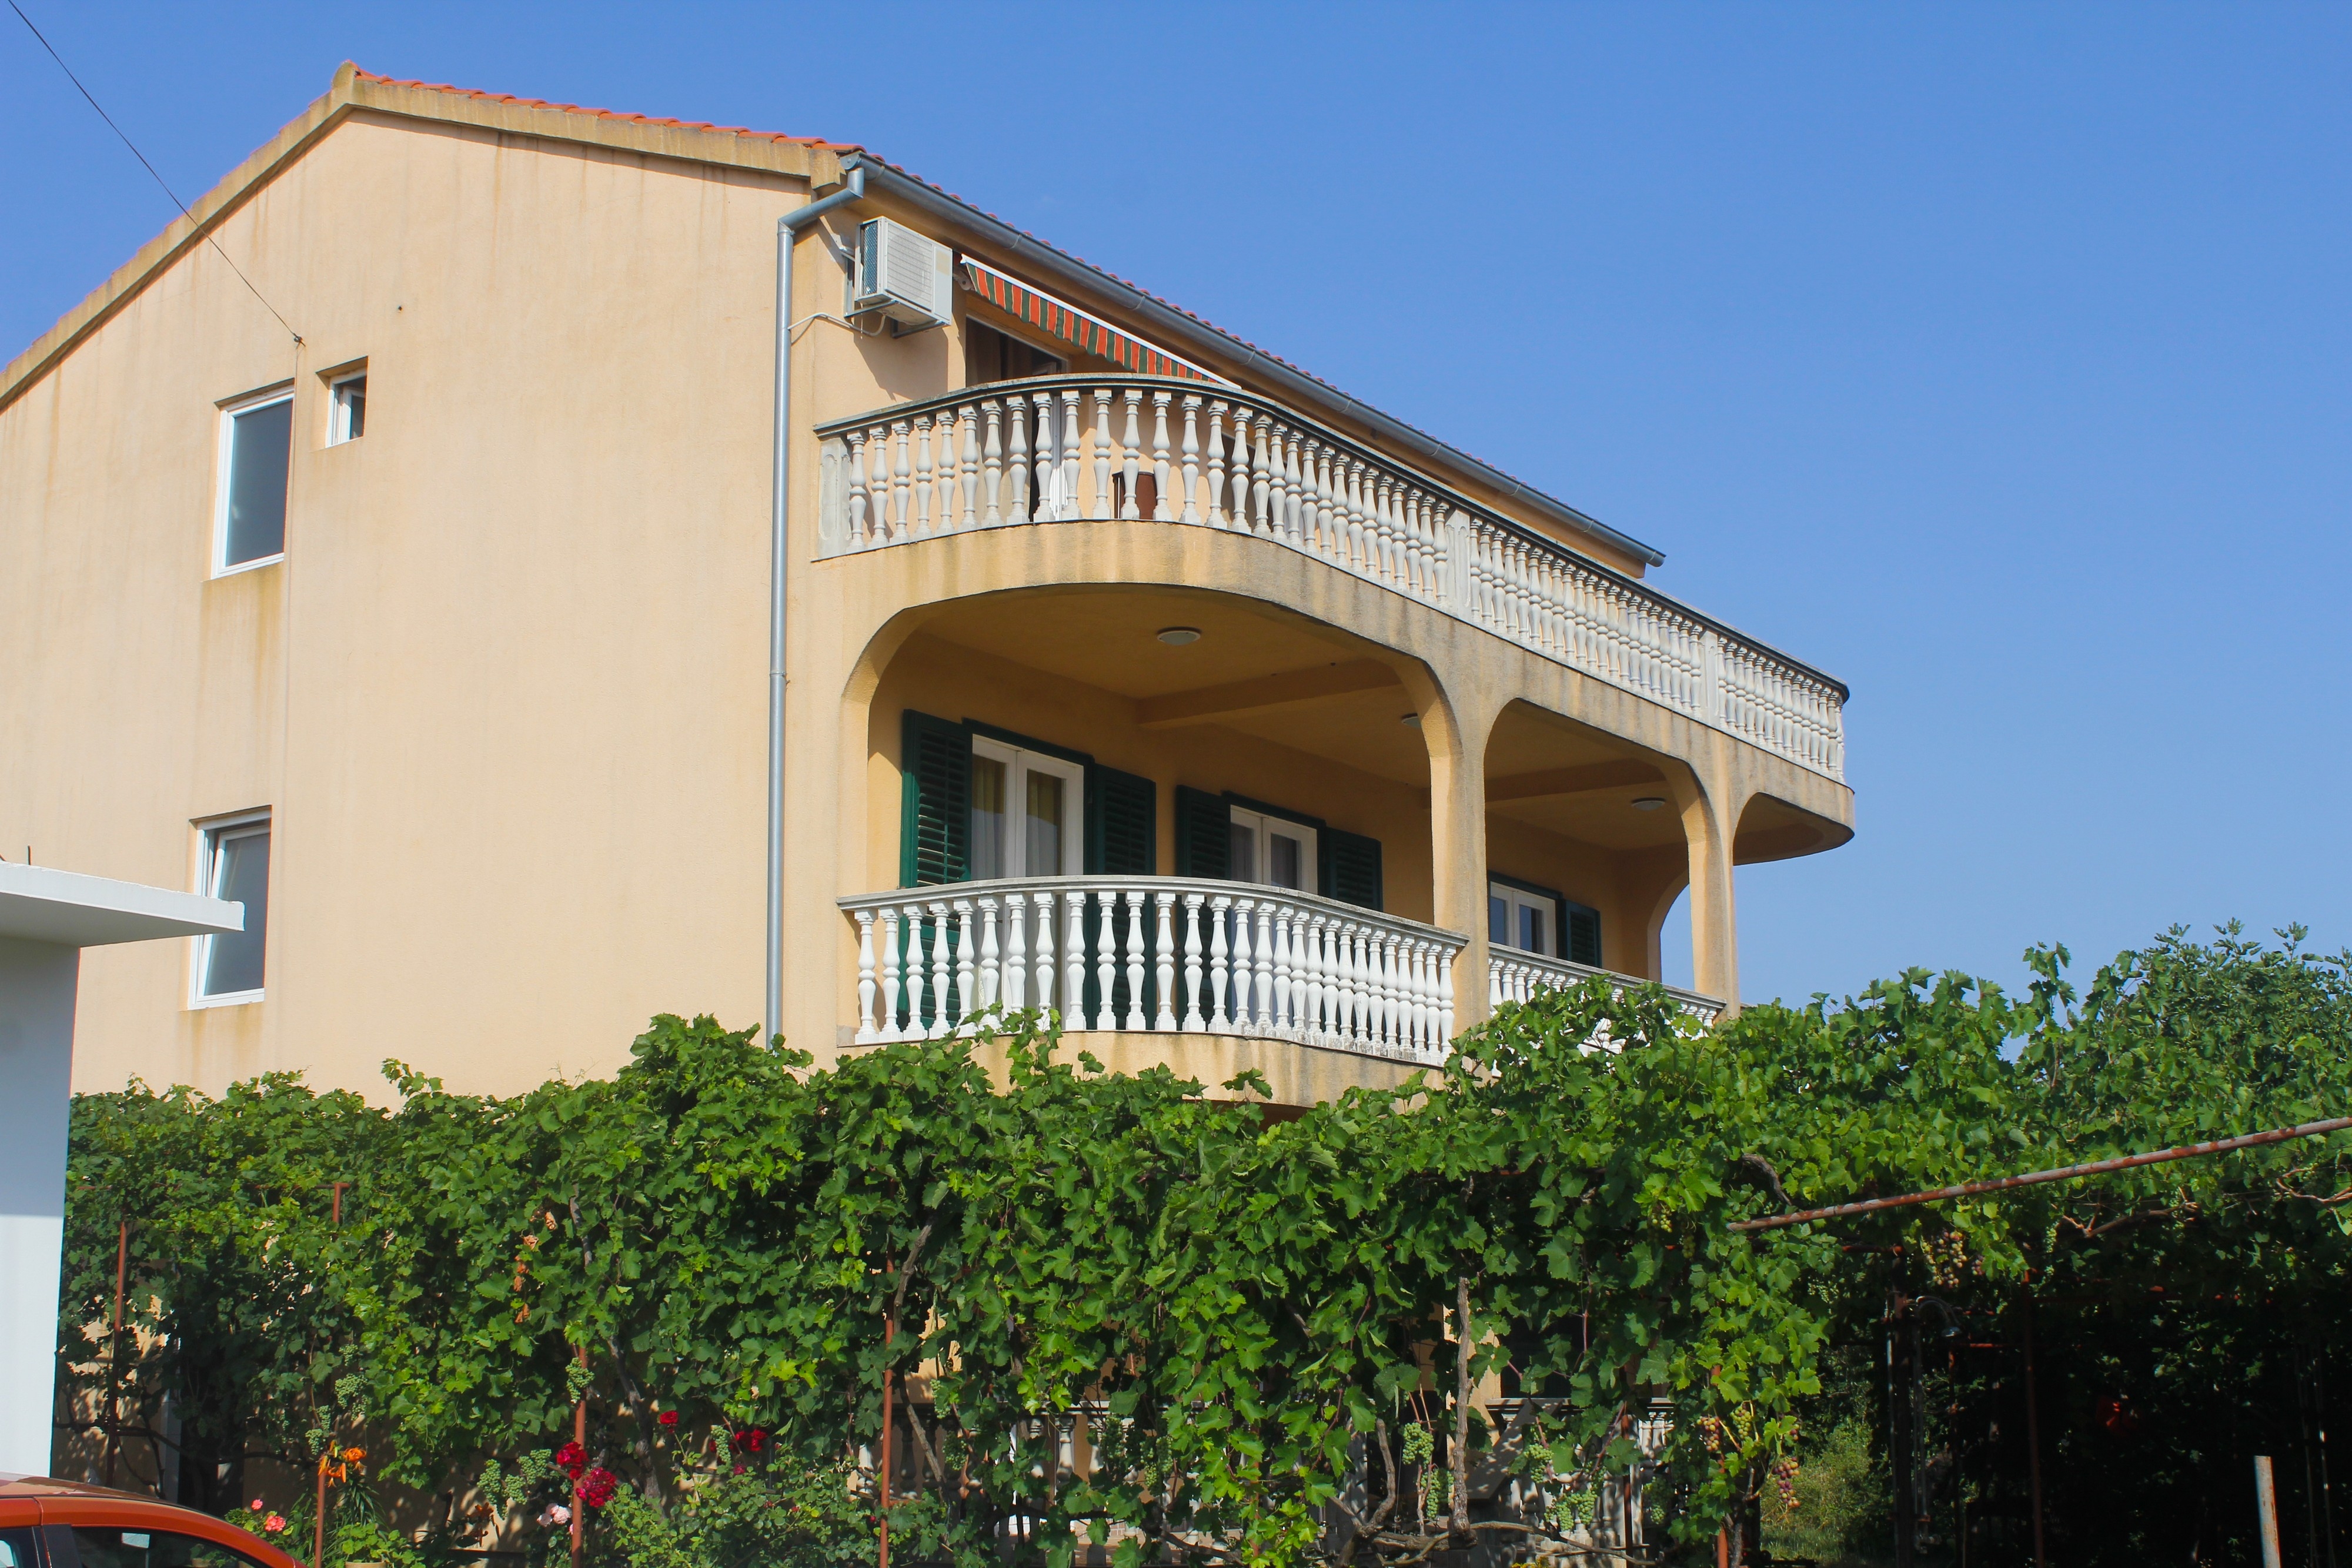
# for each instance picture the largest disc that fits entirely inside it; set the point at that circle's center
(1994, 358)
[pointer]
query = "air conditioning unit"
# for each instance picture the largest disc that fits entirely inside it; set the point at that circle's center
(904, 276)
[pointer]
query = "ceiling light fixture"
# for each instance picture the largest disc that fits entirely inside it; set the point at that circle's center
(1179, 636)
(1649, 802)
(1412, 718)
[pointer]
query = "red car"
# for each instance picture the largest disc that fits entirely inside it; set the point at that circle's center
(47, 1523)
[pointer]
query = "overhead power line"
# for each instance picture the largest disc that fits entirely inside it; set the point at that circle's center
(2064, 1173)
(160, 181)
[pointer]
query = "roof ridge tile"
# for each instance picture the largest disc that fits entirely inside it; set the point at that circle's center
(521, 102)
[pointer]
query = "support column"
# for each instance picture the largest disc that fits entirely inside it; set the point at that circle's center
(1707, 826)
(1457, 827)
(37, 1019)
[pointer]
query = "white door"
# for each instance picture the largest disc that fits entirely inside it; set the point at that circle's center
(1520, 919)
(1271, 851)
(1027, 811)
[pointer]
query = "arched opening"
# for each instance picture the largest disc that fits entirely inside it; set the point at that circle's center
(1152, 809)
(1585, 844)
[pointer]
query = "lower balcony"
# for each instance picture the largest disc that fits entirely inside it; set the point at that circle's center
(1175, 954)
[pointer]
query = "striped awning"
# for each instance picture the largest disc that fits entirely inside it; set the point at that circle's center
(1089, 334)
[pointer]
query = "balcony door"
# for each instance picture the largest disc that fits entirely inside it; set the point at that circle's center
(1027, 812)
(1532, 919)
(1271, 851)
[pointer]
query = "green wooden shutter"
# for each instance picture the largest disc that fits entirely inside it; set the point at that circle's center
(1122, 823)
(1205, 834)
(935, 818)
(1350, 867)
(1579, 929)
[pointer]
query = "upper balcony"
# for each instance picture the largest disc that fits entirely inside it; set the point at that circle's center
(1197, 454)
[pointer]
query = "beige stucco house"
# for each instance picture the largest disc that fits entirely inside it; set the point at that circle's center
(1116, 665)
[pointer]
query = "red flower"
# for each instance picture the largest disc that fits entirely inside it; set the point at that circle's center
(751, 1440)
(668, 1418)
(572, 1458)
(597, 1486)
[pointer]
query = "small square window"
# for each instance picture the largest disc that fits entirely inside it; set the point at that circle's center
(257, 444)
(346, 409)
(236, 868)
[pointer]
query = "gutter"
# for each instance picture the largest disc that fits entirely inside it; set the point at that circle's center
(1072, 273)
(788, 229)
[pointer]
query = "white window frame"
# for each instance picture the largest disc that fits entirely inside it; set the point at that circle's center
(339, 411)
(1515, 899)
(223, 466)
(211, 834)
(1019, 763)
(1260, 823)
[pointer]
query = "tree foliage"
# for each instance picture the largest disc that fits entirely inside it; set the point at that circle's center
(723, 1251)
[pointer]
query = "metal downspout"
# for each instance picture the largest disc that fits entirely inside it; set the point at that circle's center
(788, 228)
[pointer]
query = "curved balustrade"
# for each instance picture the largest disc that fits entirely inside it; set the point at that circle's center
(1515, 976)
(1084, 448)
(1168, 955)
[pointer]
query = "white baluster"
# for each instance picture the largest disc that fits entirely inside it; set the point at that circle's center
(964, 966)
(1069, 507)
(1445, 958)
(992, 978)
(943, 471)
(1362, 548)
(1415, 966)
(1130, 454)
(969, 422)
(866, 1034)
(1273, 1007)
(1074, 959)
(1164, 968)
(1016, 460)
(991, 465)
(1193, 1022)
(1347, 981)
(922, 491)
(1100, 437)
(1191, 451)
(918, 974)
(901, 501)
(1249, 473)
(877, 440)
(1135, 1013)
(1049, 459)
(1015, 995)
(1160, 509)
(855, 441)
(1309, 991)
(1314, 526)
(1043, 997)
(1219, 963)
(1297, 526)
(1106, 960)
(942, 975)
(1339, 983)
(1216, 463)
(1283, 1009)
(1355, 958)
(888, 1021)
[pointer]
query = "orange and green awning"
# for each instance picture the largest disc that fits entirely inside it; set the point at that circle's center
(1088, 334)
